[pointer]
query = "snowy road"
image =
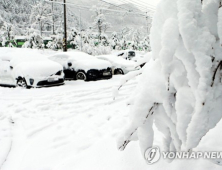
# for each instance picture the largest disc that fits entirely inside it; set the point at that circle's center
(44, 127)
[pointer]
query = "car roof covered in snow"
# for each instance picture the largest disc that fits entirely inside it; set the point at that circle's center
(29, 62)
(71, 55)
(117, 61)
(77, 55)
(21, 54)
(61, 58)
(79, 60)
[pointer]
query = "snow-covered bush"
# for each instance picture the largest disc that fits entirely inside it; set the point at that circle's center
(123, 44)
(34, 39)
(114, 42)
(181, 88)
(74, 38)
(146, 44)
(57, 41)
(135, 43)
(104, 40)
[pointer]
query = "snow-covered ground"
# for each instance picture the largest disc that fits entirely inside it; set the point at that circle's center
(56, 126)
(74, 126)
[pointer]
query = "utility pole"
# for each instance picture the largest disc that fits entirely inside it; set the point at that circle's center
(147, 24)
(53, 19)
(65, 29)
(148, 21)
(80, 29)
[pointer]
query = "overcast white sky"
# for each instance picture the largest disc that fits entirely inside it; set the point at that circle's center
(153, 2)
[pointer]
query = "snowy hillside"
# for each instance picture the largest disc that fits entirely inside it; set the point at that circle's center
(117, 20)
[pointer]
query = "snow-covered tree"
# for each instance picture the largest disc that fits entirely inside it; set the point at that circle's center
(123, 44)
(146, 44)
(56, 17)
(114, 42)
(88, 42)
(7, 34)
(181, 88)
(123, 36)
(16, 13)
(100, 23)
(41, 16)
(74, 38)
(135, 40)
(104, 40)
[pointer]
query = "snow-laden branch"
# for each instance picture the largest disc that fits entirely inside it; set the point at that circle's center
(123, 142)
(124, 80)
(184, 78)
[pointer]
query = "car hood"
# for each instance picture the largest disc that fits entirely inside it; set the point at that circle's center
(91, 64)
(37, 69)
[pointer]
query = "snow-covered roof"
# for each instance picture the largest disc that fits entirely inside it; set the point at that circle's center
(77, 55)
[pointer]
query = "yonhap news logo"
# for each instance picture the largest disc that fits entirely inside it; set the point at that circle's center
(153, 154)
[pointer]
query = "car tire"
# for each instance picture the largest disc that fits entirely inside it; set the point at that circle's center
(118, 71)
(81, 76)
(21, 82)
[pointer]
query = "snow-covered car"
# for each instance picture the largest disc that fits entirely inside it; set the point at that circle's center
(119, 65)
(132, 55)
(23, 68)
(81, 66)
(127, 54)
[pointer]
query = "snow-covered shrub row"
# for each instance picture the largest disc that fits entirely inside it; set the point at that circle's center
(181, 88)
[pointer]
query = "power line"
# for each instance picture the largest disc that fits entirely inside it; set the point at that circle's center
(143, 7)
(115, 5)
(125, 11)
(142, 4)
(105, 9)
(67, 3)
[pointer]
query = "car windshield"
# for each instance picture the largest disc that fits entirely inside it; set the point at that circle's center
(131, 54)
